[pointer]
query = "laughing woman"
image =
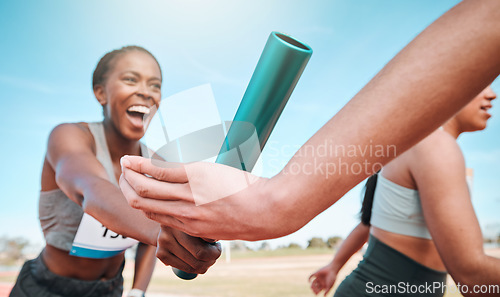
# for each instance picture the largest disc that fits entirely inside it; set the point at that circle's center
(80, 175)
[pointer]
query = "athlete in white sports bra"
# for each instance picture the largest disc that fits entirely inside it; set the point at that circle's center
(422, 220)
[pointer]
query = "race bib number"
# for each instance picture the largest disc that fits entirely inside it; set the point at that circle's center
(94, 240)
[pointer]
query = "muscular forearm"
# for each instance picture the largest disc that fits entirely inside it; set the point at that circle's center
(106, 203)
(423, 86)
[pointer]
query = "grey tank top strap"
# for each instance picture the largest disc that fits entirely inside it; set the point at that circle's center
(102, 151)
(59, 216)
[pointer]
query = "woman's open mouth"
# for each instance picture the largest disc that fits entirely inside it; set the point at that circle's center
(137, 114)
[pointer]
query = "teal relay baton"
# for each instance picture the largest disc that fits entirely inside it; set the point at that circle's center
(279, 68)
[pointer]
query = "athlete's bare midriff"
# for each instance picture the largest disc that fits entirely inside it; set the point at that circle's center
(62, 263)
(421, 250)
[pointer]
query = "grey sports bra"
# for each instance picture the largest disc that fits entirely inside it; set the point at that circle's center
(60, 216)
(397, 209)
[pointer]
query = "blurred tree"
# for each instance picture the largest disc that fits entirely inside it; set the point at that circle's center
(265, 246)
(12, 249)
(334, 241)
(317, 242)
(488, 240)
(294, 245)
(239, 245)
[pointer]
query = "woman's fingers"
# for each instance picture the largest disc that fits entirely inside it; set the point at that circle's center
(180, 215)
(316, 286)
(327, 289)
(178, 209)
(319, 281)
(207, 182)
(160, 170)
(197, 247)
(165, 220)
(329, 281)
(187, 253)
(192, 207)
(148, 187)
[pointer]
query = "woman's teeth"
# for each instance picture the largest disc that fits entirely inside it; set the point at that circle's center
(139, 108)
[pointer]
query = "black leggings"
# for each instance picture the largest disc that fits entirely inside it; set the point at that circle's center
(387, 272)
(35, 279)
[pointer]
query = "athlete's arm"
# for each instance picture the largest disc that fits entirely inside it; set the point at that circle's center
(324, 278)
(424, 85)
(84, 180)
(145, 261)
(438, 168)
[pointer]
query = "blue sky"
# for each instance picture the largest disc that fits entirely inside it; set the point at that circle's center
(49, 50)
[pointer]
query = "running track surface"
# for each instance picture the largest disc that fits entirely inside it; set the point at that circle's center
(5, 289)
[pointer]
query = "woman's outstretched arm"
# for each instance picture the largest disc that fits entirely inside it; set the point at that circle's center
(84, 180)
(425, 84)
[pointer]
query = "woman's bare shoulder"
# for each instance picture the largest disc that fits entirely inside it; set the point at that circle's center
(437, 148)
(71, 134)
(79, 127)
(437, 141)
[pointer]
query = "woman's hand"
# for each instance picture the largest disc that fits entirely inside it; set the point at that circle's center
(204, 199)
(189, 254)
(323, 279)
